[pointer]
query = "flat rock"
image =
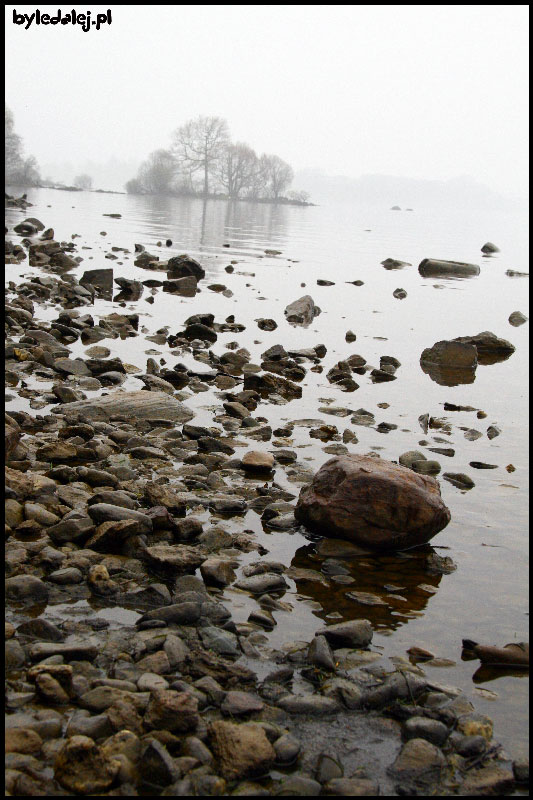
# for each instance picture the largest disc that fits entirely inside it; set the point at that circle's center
(354, 633)
(260, 584)
(257, 461)
(174, 559)
(417, 759)
(309, 704)
(105, 512)
(240, 703)
(135, 405)
(73, 651)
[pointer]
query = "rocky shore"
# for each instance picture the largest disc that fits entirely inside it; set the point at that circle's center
(126, 673)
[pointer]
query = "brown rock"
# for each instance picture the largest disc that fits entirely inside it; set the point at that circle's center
(450, 363)
(372, 502)
(418, 758)
(22, 740)
(489, 780)
(256, 461)
(243, 750)
(171, 711)
(12, 436)
(81, 767)
(158, 495)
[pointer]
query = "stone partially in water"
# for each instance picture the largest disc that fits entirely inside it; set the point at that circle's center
(373, 503)
(490, 348)
(517, 318)
(302, 311)
(450, 363)
(439, 268)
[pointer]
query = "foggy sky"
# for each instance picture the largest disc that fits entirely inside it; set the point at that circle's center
(419, 91)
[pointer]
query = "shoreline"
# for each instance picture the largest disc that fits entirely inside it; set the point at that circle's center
(183, 675)
(282, 201)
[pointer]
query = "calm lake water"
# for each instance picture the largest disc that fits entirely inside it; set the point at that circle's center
(485, 598)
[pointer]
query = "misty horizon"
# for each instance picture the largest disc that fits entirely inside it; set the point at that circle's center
(425, 93)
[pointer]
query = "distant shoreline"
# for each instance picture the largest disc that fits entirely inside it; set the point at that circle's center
(281, 201)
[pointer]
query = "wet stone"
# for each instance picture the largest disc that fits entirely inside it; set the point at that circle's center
(423, 728)
(241, 703)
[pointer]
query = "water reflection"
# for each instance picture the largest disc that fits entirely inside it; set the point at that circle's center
(485, 673)
(205, 226)
(401, 583)
(448, 376)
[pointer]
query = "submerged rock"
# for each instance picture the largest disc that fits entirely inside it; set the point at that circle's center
(373, 503)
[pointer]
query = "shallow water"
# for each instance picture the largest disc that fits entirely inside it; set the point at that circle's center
(486, 597)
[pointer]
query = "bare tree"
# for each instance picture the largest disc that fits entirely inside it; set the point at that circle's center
(198, 145)
(83, 182)
(13, 144)
(279, 175)
(29, 172)
(237, 167)
(259, 180)
(17, 169)
(157, 173)
(134, 186)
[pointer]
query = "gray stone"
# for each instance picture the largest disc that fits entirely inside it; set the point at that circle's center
(354, 633)
(319, 653)
(220, 641)
(423, 728)
(438, 268)
(135, 405)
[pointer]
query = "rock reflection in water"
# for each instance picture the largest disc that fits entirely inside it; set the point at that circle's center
(401, 583)
(448, 376)
(486, 673)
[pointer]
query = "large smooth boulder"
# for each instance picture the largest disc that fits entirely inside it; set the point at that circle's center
(439, 268)
(372, 502)
(135, 405)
